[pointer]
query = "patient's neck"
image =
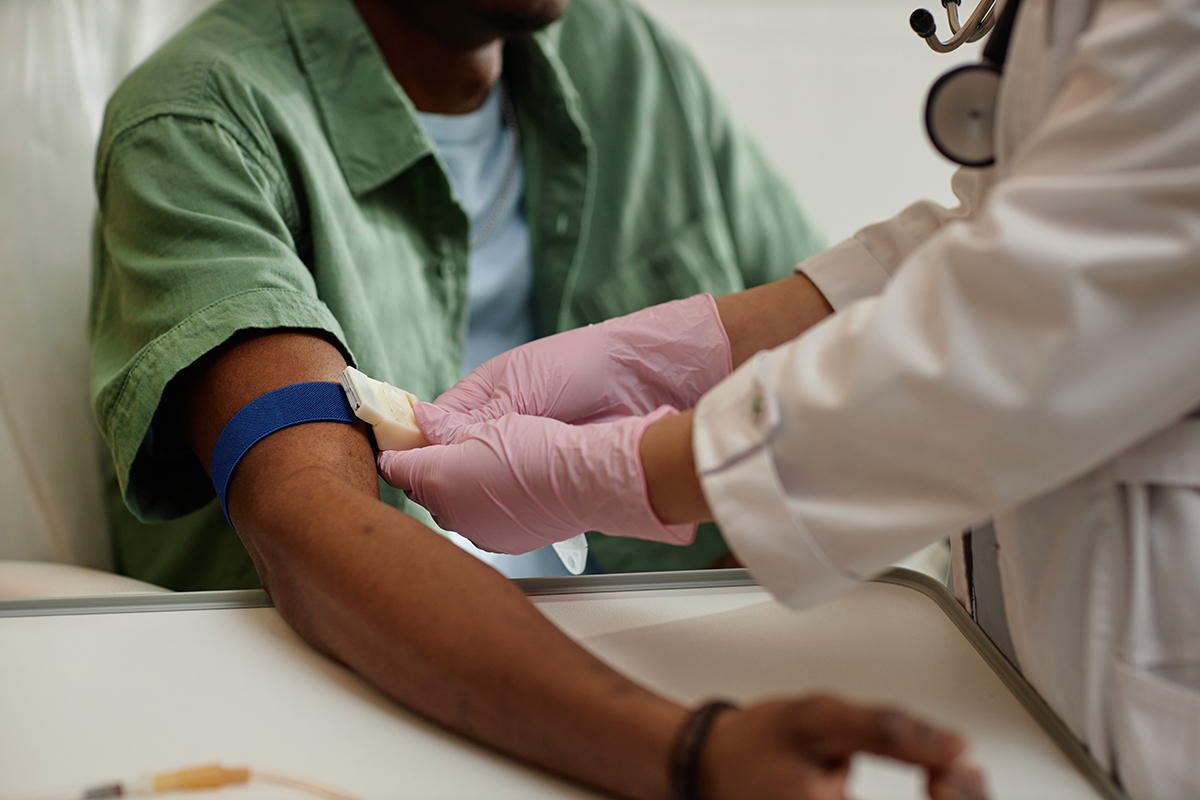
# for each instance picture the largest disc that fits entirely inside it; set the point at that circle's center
(440, 77)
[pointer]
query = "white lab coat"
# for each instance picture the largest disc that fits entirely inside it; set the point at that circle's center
(1031, 355)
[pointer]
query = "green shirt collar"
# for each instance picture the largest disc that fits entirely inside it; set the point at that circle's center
(370, 122)
(542, 86)
(373, 128)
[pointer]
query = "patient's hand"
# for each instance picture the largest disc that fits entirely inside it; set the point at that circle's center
(802, 749)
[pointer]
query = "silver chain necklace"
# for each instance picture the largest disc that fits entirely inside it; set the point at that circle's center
(494, 216)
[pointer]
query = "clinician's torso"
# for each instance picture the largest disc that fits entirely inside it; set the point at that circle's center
(1101, 577)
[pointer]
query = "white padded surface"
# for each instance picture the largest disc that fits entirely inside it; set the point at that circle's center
(59, 62)
(28, 580)
(239, 687)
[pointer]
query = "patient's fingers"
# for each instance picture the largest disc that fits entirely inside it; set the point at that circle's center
(839, 729)
(957, 783)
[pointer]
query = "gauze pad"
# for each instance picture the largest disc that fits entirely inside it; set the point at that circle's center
(388, 410)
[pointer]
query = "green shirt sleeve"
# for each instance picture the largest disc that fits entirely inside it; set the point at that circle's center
(195, 242)
(770, 232)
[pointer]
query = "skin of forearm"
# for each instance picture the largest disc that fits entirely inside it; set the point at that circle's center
(767, 316)
(449, 637)
(669, 466)
(428, 624)
(755, 319)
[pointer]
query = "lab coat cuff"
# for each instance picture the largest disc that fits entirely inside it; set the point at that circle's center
(748, 502)
(845, 273)
(732, 431)
(734, 417)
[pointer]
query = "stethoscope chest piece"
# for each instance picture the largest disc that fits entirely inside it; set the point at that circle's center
(960, 114)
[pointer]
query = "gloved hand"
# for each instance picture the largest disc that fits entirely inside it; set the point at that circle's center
(669, 354)
(516, 483)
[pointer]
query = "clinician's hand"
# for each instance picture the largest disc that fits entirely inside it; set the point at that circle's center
(668, 354)
(519, 482)
(802, 749)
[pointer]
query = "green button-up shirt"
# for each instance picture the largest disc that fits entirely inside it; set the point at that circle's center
(265, 170)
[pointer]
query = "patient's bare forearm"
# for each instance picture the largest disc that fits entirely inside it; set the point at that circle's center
(767, 316)
(446, 635)
(427, 623)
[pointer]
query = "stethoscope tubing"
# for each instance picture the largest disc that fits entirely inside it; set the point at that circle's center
(984, 26)
(978, 25)
(995, 52)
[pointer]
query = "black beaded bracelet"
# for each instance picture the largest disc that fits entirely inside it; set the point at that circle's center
(685, 758)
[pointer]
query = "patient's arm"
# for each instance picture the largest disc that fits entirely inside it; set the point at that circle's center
(429, 624)
(449, 637)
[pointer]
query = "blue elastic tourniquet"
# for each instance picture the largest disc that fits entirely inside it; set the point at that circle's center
(301, 402)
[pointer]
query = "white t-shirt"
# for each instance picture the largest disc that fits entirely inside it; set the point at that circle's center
(477, 152)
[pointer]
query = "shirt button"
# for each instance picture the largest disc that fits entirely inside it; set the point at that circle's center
(561, 224)
(756, 406)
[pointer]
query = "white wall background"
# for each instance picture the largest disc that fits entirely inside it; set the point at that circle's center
(834, 91)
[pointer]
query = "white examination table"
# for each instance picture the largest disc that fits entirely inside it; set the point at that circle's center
(101, 688)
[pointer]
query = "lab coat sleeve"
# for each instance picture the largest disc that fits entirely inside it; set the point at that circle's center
(861, 265)
(1006, 355)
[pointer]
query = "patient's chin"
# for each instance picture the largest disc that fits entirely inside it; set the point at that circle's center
(514, 17)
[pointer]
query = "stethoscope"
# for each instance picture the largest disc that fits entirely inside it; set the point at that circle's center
(960, 113)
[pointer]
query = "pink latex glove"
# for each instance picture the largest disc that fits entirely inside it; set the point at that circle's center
(517, 483)
(669, 354)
